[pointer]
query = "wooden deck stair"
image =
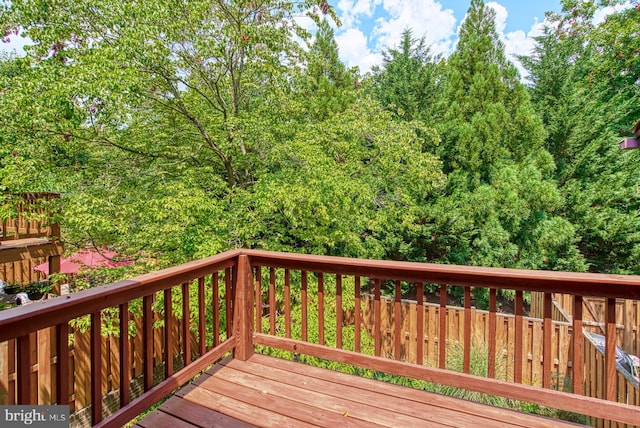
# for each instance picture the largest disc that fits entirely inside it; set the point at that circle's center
(266, 391)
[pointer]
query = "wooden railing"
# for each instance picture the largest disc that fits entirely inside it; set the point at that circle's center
(28, 216)
(300, 304)
(306, 294)
(168, 286)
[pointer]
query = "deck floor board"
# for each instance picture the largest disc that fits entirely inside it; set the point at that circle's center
(266, 391)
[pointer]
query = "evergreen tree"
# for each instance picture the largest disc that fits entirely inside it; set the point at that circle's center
(490, 117)
(584, 80)
(500, 204)
(329, 87)
(406, 81)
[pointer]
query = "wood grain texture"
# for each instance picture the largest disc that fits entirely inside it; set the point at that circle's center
(442, 334)
(356, 316)
(161, 390)
(578, 346)
(559, 400)
(96, 369)
(147, 341)
(588, 284)
(62, 363)
(265, 391)
(243, 307)
(125, 355)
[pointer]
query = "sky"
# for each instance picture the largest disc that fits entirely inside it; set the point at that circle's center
(370, 26)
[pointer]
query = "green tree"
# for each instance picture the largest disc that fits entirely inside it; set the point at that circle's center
(406, 82)
(500, 205)
(585, 80)
(179, 129)
(327, 86)
(149, 117)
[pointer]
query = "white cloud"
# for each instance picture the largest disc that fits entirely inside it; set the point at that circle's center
(425, 17)
(516, 42)
(501, 15)
(354, 50)
(352, 11)
(601, 14)
(521, 43)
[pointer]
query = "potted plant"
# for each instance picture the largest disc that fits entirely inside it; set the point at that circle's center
(35, 290)
(10, 288)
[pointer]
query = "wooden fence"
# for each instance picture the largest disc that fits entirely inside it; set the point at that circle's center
(594, 313)
(28, 216)
(31, 217)
(594, 378)
(533, 364)
(21, 271)
(532, 370)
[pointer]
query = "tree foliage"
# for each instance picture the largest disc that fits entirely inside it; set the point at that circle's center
(186, 128)
(406, 82)
(586, 84)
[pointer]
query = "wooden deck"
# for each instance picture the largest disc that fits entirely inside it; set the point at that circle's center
(266, 391)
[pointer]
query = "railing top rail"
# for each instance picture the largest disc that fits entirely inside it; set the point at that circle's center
(587, 284)
(26, 319)
(19, 321)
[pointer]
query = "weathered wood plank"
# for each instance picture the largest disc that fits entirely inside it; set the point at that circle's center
(430, 407)
(198, 415)
(555, 399)
(243, 410)
(299, 404)
(159, 418)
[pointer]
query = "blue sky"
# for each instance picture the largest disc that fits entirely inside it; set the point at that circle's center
(368, 26)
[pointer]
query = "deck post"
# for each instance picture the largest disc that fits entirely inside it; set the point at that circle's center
(243, 310)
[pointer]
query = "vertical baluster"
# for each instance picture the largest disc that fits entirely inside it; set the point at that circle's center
(228, 297)
(397, 321)
(377, 339)
(611, 374)
(420, 323)
(321, 308)
(125, 355)
(303, 297)
(519, 309)
(147, 341)
(629, 322)
(62, 363)
(258, 299)
(466, 363)
(96, 369)
(23, 360)
(491, 371)
(168, 333)
(287, 303)
(215, 306)
(356, 315)
(201, 318)
(272, 301)
(442, 339)
(186, 322)
(578, 346)
(338, 311)
(546, 342)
